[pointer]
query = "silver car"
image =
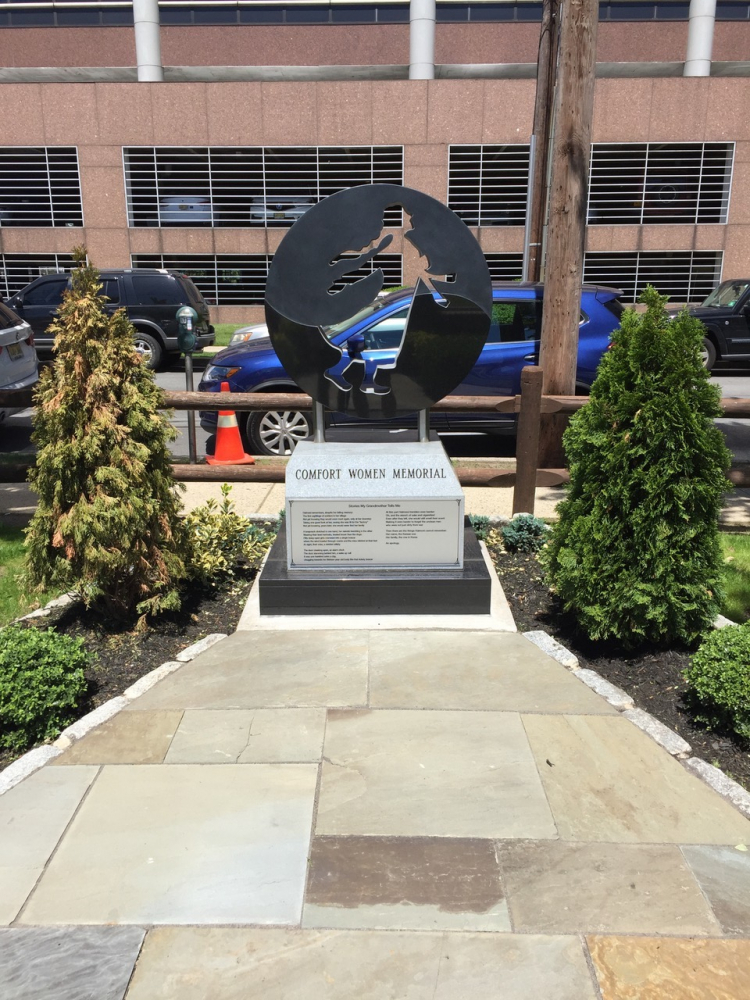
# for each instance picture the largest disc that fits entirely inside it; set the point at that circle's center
(19, 368)
(279, 209)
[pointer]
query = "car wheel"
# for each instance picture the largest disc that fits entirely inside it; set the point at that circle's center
(278, 432)
(708, 354)
(149, 348)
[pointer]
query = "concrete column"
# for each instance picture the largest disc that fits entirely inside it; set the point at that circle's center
(422, 40)
(147, 41)
(700, 38)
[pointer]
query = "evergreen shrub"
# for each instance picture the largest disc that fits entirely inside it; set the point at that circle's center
(524, 533)
(221, 539)
(719, 679)
(108, 520)
(635, 555)
(41, 684)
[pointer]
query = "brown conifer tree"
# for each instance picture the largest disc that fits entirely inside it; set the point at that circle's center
(108, 520)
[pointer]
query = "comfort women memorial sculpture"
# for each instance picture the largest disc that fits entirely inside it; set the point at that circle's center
(375, 528)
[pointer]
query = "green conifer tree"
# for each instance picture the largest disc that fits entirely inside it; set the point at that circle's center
(108, 520)
(635, 555)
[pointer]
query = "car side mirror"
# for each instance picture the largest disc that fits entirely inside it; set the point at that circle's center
(356, 344)
(15, 303)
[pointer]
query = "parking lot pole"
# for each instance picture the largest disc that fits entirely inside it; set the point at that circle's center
(187, 341)
(190, 413)
(566, 228)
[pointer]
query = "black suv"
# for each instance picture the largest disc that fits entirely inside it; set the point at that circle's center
(150, 298)
(726, 317)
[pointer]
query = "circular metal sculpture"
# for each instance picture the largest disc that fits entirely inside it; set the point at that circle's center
(447, 324)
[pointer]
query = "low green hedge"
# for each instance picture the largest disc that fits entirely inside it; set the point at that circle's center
(719, 678)
(41, 684)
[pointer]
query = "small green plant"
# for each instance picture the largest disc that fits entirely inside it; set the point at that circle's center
(41, 684)
(524, 533)
(719, 679)
(222, 539)
(481, 525)
(635, 555)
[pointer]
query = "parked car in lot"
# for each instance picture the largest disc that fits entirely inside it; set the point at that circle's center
(185, 210)
(19, 368)
(279, 210)
(512, 343)
(150, 298)
(726, 317)
(256, 331)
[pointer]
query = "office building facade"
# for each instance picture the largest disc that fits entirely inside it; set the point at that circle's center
(264, 108)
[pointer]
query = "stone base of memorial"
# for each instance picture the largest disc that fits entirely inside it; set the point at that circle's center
(374, 529)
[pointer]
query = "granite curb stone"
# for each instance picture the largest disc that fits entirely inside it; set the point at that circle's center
(26, 765)
(553, 648)
(725, 786)
(63, 601)
(671, 741)
(190, 652)
(721, 621)
(618, 698)
(148, 680)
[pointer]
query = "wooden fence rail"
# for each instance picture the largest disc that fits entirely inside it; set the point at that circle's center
(528, 405)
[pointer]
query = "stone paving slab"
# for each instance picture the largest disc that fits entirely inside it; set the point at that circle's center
(444, 774)
(67, 963)
(181, 845)
(33, 817)
(477, 671)
(15, 886)
(268, 670)
(128, 738)
(273, 964)
(608, 781)
(555, 887)
(723, 874)
(658, 968)
(419, 883)
(249, 736)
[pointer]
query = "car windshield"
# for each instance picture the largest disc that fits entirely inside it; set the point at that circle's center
(331, 331)
(727, 294)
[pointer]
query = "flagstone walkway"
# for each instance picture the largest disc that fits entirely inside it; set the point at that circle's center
(342, 815)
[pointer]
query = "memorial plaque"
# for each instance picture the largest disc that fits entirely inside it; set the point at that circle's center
(383, 505)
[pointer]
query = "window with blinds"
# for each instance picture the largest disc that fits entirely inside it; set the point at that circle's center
(248, 185)
(487, 185)
(505, 266)
(19, 269)
(40, 186)
(683, 275)
(662, 183)
(228, 280)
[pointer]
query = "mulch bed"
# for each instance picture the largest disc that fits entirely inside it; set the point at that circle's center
(122, 653)
(652, 677)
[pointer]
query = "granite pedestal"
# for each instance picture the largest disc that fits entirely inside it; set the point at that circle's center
(374, 529)
(375, 591)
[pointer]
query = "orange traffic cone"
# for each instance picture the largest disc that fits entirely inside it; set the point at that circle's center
(229, 450)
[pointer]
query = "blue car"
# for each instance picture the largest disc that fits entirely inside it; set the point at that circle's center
(512, 343)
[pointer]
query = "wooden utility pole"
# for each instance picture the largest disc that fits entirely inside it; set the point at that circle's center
(566, 229)
(545, 90)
